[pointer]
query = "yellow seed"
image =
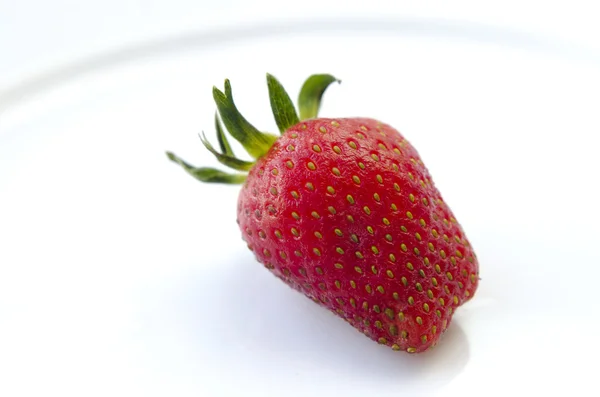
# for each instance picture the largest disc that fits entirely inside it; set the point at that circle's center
(416, 251)
(424, 339)
(401, 316)
(388, 237)
(311, 166)
(419, 287)
(317, 251)
(449, 275)
(337, 149)
(358, 270)
(317, 148)
(395, 347)
(354, 238)
(409, 214)
(426, 307)
(370, 229)
(393, 329)
(411, 197)
(459, 254)
(460, 285)
(396, 187)
(295, 232)
(338, 232)
(338, 266)
(291, 148)
(389, 274)
(438, 313)
(410, 266)
(353, 302)
(362, 127)
(339, 250)
(374, 269)
(378, 324)
(352, 144)
(442, 301)
(350, 218)
(380, 289)
(382, 146)
(359, 255)
(430, 294)
(424, 201)
(392, 257)
(379, 178)
(278, 234)
(434, 281)
(404, 334)
(356, 179)
(403, 247)
(455, 298)
(273, 191)
(426, 261)
(419, 320)
(330, 190)
(431, 247)
(353, 283)
(315, 215)
(350, 199)
(421, 273)
(453, 260)
(335, 171)
(323, 129)
(444, 324)
(310, 186)
(295, 194)
(275, 171)
(375, 157)
(283, 255)
(386, 221)
(394, 207)
(434, 330)
(443, 254)
(361, 165)
(396, 296)
(403, 228)
(410, 175)
(467, 293)
(395, 167)
(319, 270)
(267, 253)
(376, 197)
(404, 281)
(382, 341)
(298, 253)
(375, 250)
(446, 289)
(435, 233)
(437, 268)
(418, 236)
(446, 239)
(289, 164)
(368, 288)
(411, 301)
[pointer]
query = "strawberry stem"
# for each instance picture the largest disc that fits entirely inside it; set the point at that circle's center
(281, 104)
(256, 143)
(209, 175)
(222, 138)
(229, 161)
(309, 100)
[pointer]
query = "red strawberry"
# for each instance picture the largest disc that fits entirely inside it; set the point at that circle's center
(344, 211)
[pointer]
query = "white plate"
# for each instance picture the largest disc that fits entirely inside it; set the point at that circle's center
(120, 275)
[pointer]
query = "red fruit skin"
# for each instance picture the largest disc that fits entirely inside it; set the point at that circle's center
(391, 259)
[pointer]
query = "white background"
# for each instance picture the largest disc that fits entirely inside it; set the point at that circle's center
(119, 275)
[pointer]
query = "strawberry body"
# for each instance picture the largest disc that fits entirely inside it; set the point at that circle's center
(345, 211)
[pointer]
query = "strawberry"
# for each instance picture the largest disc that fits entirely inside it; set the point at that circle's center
(345, 211)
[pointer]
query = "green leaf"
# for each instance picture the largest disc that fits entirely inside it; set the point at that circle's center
(229, 161)
(281, 104)
(209, 175)
(256, 143)
(309, 100)
(223, 142)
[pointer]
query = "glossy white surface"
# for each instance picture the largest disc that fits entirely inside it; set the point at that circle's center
(120, 275)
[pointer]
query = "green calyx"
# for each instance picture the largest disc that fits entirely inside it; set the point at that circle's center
(255, 142)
